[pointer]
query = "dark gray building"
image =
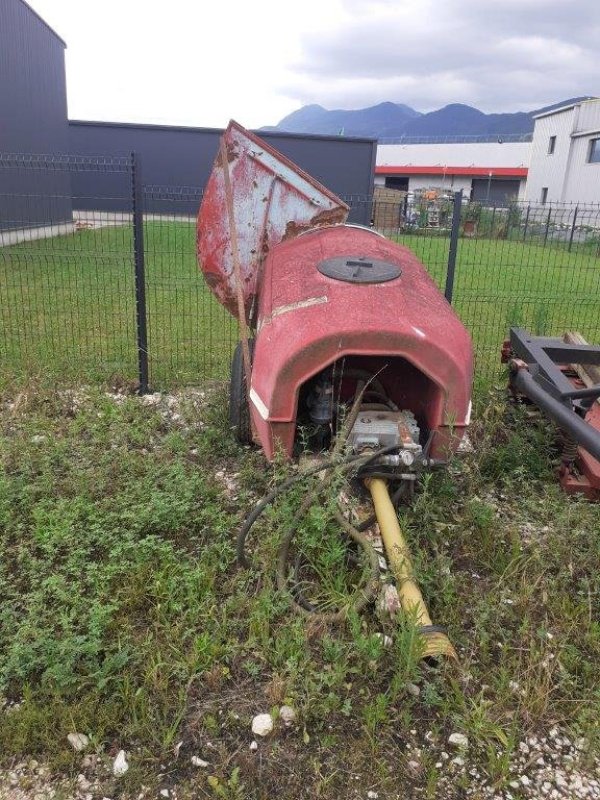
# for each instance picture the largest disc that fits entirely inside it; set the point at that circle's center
(33, 118)
(39, 188)
(172, 156)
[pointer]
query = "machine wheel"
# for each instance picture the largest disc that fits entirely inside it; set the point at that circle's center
(239, 410)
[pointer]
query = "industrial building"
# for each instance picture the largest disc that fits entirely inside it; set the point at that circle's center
(33, 93)
(42, 190)
(488, 172)
(33, 99)
(561, 164)
(180, 156)
(565, 155)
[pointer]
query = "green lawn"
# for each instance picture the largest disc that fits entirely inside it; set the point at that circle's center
(500, 283)
(67, 305)
(124, 617)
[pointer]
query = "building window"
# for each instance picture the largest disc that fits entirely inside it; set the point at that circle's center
(551, 145)
(544, 196)
(594, 157)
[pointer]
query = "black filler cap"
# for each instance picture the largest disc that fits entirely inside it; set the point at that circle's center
(359, 269)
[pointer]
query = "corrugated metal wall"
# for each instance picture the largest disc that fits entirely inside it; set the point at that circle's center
(176, 156)
(33, 116)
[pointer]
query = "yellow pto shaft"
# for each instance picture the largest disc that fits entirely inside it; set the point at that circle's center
(435, 641)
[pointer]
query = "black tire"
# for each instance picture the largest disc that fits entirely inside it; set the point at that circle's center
(239, 410)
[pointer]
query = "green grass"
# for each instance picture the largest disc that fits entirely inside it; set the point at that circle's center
(123, 616)
(67, 305)
(499, 283)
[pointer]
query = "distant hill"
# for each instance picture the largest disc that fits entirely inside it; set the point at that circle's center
(391, 120)
(385, 119)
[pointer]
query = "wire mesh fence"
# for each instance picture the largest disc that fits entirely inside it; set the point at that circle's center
(66, 280)
(531, 266)
(528, 264)
(70, 271)
(190, 335)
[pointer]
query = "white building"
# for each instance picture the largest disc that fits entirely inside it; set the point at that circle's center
(492, 172)
(565, 155)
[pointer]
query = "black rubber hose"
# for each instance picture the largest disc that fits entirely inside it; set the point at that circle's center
(379, 473)
(361, 597)
(344, 463)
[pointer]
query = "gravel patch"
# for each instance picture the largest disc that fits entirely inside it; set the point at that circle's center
(550, 767)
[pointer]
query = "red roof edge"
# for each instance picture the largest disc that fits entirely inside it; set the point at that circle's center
(484, 172)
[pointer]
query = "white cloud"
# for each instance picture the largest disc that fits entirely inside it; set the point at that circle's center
(500, 56)
(184, 61)
(197, 62)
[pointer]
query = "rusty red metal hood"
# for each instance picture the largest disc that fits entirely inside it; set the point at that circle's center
(273, 200)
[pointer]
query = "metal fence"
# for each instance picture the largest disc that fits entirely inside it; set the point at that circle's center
(106, 287)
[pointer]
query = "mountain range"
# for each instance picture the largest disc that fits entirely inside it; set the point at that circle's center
(395, 120)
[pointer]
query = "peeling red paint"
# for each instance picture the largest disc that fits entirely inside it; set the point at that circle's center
(273, 200)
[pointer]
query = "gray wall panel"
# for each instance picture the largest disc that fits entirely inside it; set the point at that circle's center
(175, 156)
(33, 117)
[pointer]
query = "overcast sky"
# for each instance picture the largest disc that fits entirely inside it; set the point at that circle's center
(200, 62)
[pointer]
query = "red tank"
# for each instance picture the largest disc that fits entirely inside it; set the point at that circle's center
(345, 296)
(332, 305)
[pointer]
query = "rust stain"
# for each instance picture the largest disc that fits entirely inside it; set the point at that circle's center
(328, 216)
(232, 154)
(212, 279)
(256, 170)
(231, 151)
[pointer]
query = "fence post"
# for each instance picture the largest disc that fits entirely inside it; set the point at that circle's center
(526, 223)
(547, 226)
(453, 245)
(573, 228)
(137, 204)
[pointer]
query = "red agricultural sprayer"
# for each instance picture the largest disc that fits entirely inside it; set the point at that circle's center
(347, 349)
